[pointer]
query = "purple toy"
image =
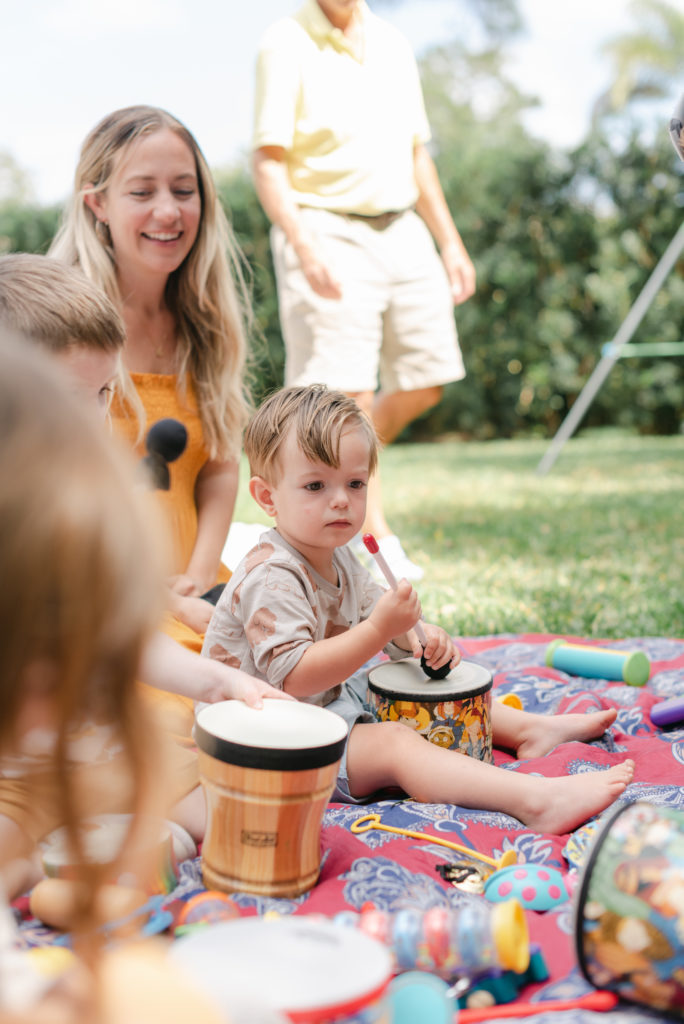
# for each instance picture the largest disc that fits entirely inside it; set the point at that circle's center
(667, 712)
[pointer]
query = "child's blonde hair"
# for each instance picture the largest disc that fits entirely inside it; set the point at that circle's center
(56, 305)
(319, 417)
(206, 294)
(81, 573)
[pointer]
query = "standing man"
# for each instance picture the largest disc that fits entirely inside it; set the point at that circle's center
(342, 172)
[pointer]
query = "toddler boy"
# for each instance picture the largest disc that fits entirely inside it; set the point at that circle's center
(302, 613)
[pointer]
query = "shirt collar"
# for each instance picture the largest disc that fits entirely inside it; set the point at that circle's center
(312, 18)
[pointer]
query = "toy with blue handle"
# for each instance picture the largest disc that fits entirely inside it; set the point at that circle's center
(631, 667)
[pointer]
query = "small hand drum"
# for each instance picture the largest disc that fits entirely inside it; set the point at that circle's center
(454, 712)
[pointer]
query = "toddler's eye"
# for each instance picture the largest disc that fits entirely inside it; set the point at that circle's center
(315, 485)
(356, 485)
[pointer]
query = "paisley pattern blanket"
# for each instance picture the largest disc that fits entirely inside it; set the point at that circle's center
(393, 872)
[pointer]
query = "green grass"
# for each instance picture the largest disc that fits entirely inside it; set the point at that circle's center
(594, 548)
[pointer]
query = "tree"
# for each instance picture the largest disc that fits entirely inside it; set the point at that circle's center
(647, 61)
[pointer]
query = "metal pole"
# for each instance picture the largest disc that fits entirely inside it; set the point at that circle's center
(605, 365)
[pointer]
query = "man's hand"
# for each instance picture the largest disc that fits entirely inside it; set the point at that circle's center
(319, 276)
(460, 271)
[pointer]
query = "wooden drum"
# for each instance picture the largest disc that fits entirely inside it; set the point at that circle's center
(454, 712)
(267, 776)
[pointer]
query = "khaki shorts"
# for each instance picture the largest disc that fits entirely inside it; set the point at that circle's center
(394, 324)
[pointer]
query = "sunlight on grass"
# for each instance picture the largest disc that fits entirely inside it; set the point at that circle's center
(594, 548)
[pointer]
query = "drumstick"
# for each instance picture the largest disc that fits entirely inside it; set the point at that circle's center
(374, 548)
(600, 1000)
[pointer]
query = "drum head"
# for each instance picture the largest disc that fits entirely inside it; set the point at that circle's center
(284, 735)
(310, 970)
(405, 680)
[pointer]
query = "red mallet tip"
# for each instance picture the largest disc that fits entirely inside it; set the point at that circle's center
(371, 543)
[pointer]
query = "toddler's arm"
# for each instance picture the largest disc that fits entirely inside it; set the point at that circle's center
(328, 662)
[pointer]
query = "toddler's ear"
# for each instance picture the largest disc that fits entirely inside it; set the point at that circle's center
(262, 493)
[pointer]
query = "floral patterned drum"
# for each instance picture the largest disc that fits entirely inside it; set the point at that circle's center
(454, 712)
(629, 927)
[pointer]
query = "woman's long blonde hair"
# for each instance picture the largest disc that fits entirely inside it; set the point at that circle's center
(207, 294)
(81, 572)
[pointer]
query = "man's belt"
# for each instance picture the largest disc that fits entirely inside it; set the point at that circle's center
(377, 221)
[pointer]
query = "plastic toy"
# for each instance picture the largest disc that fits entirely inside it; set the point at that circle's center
(205, 908)
(447, 941)
(668, 712)
(416, 996)
(535, 886)
(504, 986)
(369, 821)
(632, 667)
(597, 1001)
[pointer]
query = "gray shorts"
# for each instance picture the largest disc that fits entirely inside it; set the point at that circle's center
(395, 321)
(352, 705)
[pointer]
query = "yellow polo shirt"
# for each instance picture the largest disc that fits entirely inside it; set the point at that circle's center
(348, 122)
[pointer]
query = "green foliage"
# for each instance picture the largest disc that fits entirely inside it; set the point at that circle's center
(27, 228)
(251, 229)
(562, 247)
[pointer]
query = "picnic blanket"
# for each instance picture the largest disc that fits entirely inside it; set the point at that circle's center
(394, 872)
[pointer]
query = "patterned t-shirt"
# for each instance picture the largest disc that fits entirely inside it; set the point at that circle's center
(276, 605)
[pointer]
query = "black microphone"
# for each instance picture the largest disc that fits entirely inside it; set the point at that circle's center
(165, 442)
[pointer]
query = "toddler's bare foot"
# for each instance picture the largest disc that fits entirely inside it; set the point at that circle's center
(559, 805)
(542, 733)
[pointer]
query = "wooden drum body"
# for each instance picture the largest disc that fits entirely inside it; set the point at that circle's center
(267, 775)
(454, 712)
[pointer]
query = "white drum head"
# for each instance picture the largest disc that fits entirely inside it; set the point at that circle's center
(405, 680)
(315, 970)
(284, 735)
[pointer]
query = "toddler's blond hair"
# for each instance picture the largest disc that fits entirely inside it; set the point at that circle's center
(319, 417)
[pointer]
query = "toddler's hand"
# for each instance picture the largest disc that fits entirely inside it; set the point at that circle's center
(439, 649)
(396, 612)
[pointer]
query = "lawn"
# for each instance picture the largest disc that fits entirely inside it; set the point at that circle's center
(594, 548)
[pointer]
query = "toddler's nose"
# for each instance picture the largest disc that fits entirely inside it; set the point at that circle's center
(340, 498)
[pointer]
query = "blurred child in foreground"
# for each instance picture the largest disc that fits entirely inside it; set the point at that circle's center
(85, 564)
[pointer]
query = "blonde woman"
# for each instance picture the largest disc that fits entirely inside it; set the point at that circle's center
(145, 223)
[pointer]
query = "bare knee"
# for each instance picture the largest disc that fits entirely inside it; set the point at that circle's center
(377, 755)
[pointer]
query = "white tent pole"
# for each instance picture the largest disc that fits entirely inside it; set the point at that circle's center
(605, 364)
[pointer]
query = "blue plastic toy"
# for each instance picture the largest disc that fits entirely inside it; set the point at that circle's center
(631, 667)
